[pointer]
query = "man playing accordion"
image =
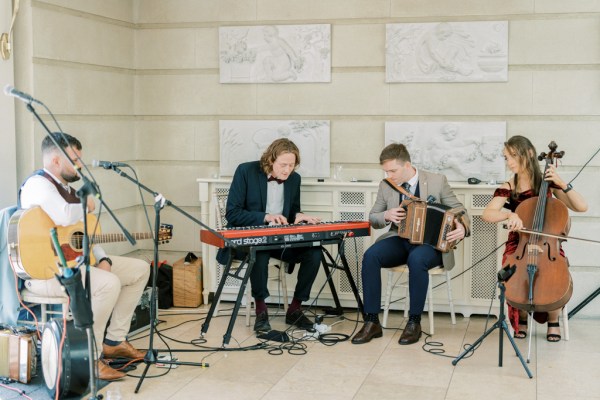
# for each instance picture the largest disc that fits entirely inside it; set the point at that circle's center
(391, 250)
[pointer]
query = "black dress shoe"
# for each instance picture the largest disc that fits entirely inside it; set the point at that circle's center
(369, 331)
(411, 334)
(262, 322)
(298, 319)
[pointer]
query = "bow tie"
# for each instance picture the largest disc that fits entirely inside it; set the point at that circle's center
(272, 178)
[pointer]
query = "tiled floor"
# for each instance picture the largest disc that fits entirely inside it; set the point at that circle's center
(379, 370)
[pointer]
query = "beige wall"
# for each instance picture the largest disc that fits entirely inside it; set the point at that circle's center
(138, 80)
(8, 163)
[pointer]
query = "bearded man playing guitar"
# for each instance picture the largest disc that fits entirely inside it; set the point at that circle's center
(117, 283)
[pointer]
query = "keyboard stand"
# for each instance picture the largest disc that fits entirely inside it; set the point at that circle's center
(338, 310)
(249, 260)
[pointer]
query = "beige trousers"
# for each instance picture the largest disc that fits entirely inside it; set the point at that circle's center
(117, 292)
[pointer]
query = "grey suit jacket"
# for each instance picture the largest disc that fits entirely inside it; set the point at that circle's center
(430, 184)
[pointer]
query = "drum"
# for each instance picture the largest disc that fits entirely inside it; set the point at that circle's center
(74, 359)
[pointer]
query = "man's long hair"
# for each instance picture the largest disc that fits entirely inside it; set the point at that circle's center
(275, 149)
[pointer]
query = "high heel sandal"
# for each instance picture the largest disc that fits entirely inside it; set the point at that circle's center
(553, 337)
(521, 334)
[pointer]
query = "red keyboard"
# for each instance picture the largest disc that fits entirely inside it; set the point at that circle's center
(281, 234)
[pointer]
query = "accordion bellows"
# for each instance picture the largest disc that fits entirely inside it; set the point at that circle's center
(428, 223)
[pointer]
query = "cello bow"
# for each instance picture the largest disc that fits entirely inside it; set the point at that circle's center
(530, 231)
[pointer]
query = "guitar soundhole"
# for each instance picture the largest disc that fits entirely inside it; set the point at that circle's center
(77, 240)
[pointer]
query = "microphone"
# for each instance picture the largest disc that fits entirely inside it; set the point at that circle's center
(11, 91)
(505, 273)
(108, 164)
(66, 271)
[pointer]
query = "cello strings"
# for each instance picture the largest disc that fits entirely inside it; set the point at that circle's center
(538, 221)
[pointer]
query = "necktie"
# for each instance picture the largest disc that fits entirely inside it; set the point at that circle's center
(405, 186)
(272, 178)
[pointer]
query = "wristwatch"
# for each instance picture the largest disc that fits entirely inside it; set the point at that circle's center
(569, 187)
(108, 260)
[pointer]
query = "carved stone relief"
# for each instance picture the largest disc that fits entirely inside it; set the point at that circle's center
(243, 141)
(275, 54)
(459, 150)
(447, 52)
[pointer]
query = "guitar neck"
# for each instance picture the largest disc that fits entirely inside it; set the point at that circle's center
(119, 237)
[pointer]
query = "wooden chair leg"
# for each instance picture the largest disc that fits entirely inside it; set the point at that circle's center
(65, 311)
(248, 305)
(282, 278)
(565, 321)
(388, 297)
(44, 313)
(430, 305)
(406, 300)
(450, 301)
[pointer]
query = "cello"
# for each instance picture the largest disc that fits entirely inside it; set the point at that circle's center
(541, 281)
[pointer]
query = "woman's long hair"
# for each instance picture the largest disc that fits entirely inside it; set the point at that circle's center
(524, 151)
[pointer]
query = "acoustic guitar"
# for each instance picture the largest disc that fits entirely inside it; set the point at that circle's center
(30, 245)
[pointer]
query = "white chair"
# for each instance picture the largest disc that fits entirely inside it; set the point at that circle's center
(43, 301)
(220, 203)
(401, 269)
(565, 321)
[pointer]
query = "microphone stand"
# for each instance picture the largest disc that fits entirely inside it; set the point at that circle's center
(159, 203)
(84, 317)
(500, 324)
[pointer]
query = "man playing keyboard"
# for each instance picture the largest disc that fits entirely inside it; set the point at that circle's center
(267, 192)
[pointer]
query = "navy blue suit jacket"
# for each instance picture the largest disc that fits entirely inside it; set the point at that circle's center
(247, 199)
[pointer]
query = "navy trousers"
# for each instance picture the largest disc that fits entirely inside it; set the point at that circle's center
(391, 252)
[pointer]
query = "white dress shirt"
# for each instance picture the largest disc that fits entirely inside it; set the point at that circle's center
(39, 191)
(275, 198)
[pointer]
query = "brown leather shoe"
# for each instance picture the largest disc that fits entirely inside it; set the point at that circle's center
(107, 373)
(369, 331)
(125, 349)
(411, 334)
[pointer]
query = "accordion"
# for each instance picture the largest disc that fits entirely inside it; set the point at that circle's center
(18, 354)
(428, 223)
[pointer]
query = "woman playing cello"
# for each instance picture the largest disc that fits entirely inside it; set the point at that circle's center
(521, 159)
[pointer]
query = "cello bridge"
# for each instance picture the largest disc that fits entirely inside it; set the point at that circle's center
(534, 249)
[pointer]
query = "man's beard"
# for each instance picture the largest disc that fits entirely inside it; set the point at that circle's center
(70, 178)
